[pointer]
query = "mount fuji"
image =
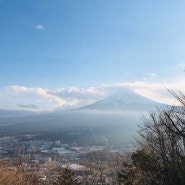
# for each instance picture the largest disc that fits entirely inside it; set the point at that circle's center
(126, 100)
(111, 120)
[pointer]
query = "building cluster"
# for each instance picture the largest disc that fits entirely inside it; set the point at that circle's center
(42, 156)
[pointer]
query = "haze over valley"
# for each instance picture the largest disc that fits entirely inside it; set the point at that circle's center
(112, 120)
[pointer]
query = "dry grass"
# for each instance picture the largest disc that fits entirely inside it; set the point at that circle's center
(10, 176)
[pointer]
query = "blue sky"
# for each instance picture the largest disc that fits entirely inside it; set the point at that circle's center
(52, 46)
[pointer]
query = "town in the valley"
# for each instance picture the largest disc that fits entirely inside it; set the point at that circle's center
(42, 156)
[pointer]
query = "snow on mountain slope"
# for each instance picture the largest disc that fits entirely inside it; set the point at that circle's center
(125, 100)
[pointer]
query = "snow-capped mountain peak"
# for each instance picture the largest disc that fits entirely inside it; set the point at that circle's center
(125, 100)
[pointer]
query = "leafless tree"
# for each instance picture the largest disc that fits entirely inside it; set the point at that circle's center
(161, 142)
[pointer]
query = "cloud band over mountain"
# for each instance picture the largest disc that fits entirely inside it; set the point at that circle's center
(73, 97)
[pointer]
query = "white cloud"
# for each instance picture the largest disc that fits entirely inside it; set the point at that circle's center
(47, 54)
(155, 91)
(150, 76)
(28, 106)
(39, 27)
(153, 74)
(77, 97)
(12, 96)
(36, 93)
(67, 98)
